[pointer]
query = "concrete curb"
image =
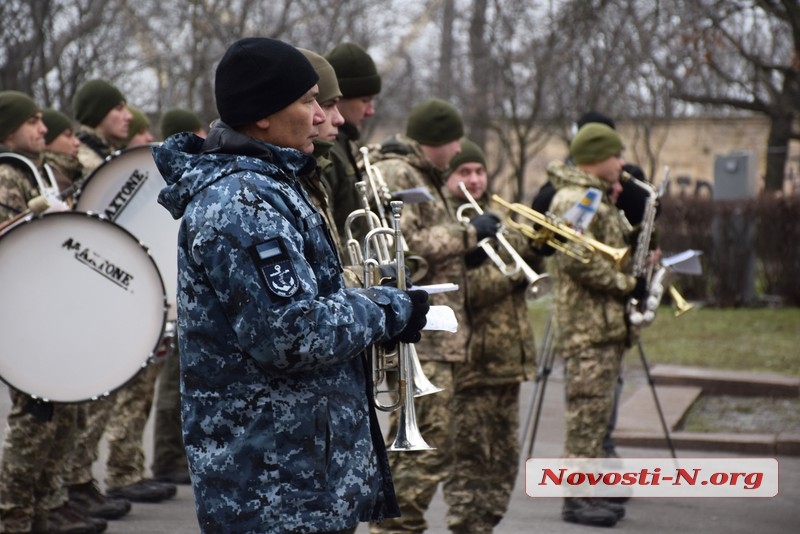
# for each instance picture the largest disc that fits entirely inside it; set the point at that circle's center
(677, 388)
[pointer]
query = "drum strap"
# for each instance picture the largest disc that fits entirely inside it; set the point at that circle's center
(94, 143)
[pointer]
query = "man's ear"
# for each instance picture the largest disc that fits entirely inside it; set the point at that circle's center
(263, 123)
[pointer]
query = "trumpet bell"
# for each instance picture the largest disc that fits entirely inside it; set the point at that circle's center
(681, 306)
(422, 386)
(541, 286)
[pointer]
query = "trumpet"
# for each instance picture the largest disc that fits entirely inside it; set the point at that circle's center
(538, 284)
(560, 236)
(402, 362)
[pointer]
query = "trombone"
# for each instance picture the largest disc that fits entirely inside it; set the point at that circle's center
(539, 284)
(560, 236)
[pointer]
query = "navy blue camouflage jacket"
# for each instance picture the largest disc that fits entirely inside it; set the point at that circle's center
(279, 429)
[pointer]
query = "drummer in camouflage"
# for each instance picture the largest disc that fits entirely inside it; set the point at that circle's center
(280, 431)
(33, 497)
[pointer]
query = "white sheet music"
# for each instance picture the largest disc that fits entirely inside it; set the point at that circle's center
(686, 262)
(441, 318)
(430, 289)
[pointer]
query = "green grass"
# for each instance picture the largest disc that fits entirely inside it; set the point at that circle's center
(736, 339)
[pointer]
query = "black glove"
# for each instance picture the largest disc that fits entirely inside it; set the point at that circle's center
(388, 274)
(486, 225)
(640, 289)
(475, 257)
(418, 319)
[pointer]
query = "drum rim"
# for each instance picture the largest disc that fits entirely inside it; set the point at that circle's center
(147, 360)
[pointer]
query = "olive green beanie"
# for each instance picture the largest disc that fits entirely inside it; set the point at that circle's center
(355, 71)
(139, 122)
(328, 85)
(595, 142)
(94, 100)
(177, 120)
(434, 122)
(56, 123)
(470, 153)
(15, 109)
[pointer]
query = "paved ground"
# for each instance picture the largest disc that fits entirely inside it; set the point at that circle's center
(777, 515)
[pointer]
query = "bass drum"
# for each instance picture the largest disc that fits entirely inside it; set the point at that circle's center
(83, 306)
(124, 189)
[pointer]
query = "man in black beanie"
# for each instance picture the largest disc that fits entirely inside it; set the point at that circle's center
(359, 83)
(279, 426)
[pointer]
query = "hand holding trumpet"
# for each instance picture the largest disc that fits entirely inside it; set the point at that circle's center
(488, 227)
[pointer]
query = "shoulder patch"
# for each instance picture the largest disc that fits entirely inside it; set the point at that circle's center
(276, 269)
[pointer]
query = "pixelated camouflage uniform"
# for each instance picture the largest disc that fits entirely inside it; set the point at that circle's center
(432, 231)
(589, 316)
(70, 171)
(94, 148)
(38, 435)
(279, 427)
(17, 184)
(501, 355)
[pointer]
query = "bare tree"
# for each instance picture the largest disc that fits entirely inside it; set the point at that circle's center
(743, 55)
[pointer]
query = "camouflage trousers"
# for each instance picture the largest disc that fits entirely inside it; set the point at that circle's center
(591, 377)
(125, 429)
(486, 457)
(33, 463)
(417, 474)
(168, 452)
(122, 417)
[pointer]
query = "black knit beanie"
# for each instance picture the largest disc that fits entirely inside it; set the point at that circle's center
(15, 109)
(434, 122)
(94, 100)
(259, 76)
(56, 123)
(595, 116)
(177, 120)
(355, 71)
(470, 153)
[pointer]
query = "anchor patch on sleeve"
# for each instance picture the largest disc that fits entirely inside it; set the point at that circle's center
(276, 269)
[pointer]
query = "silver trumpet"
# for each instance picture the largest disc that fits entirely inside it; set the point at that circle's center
(402, 361)
(538, 284)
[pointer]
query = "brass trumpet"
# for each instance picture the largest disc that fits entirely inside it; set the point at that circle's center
(539, 284)
(573, 243)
